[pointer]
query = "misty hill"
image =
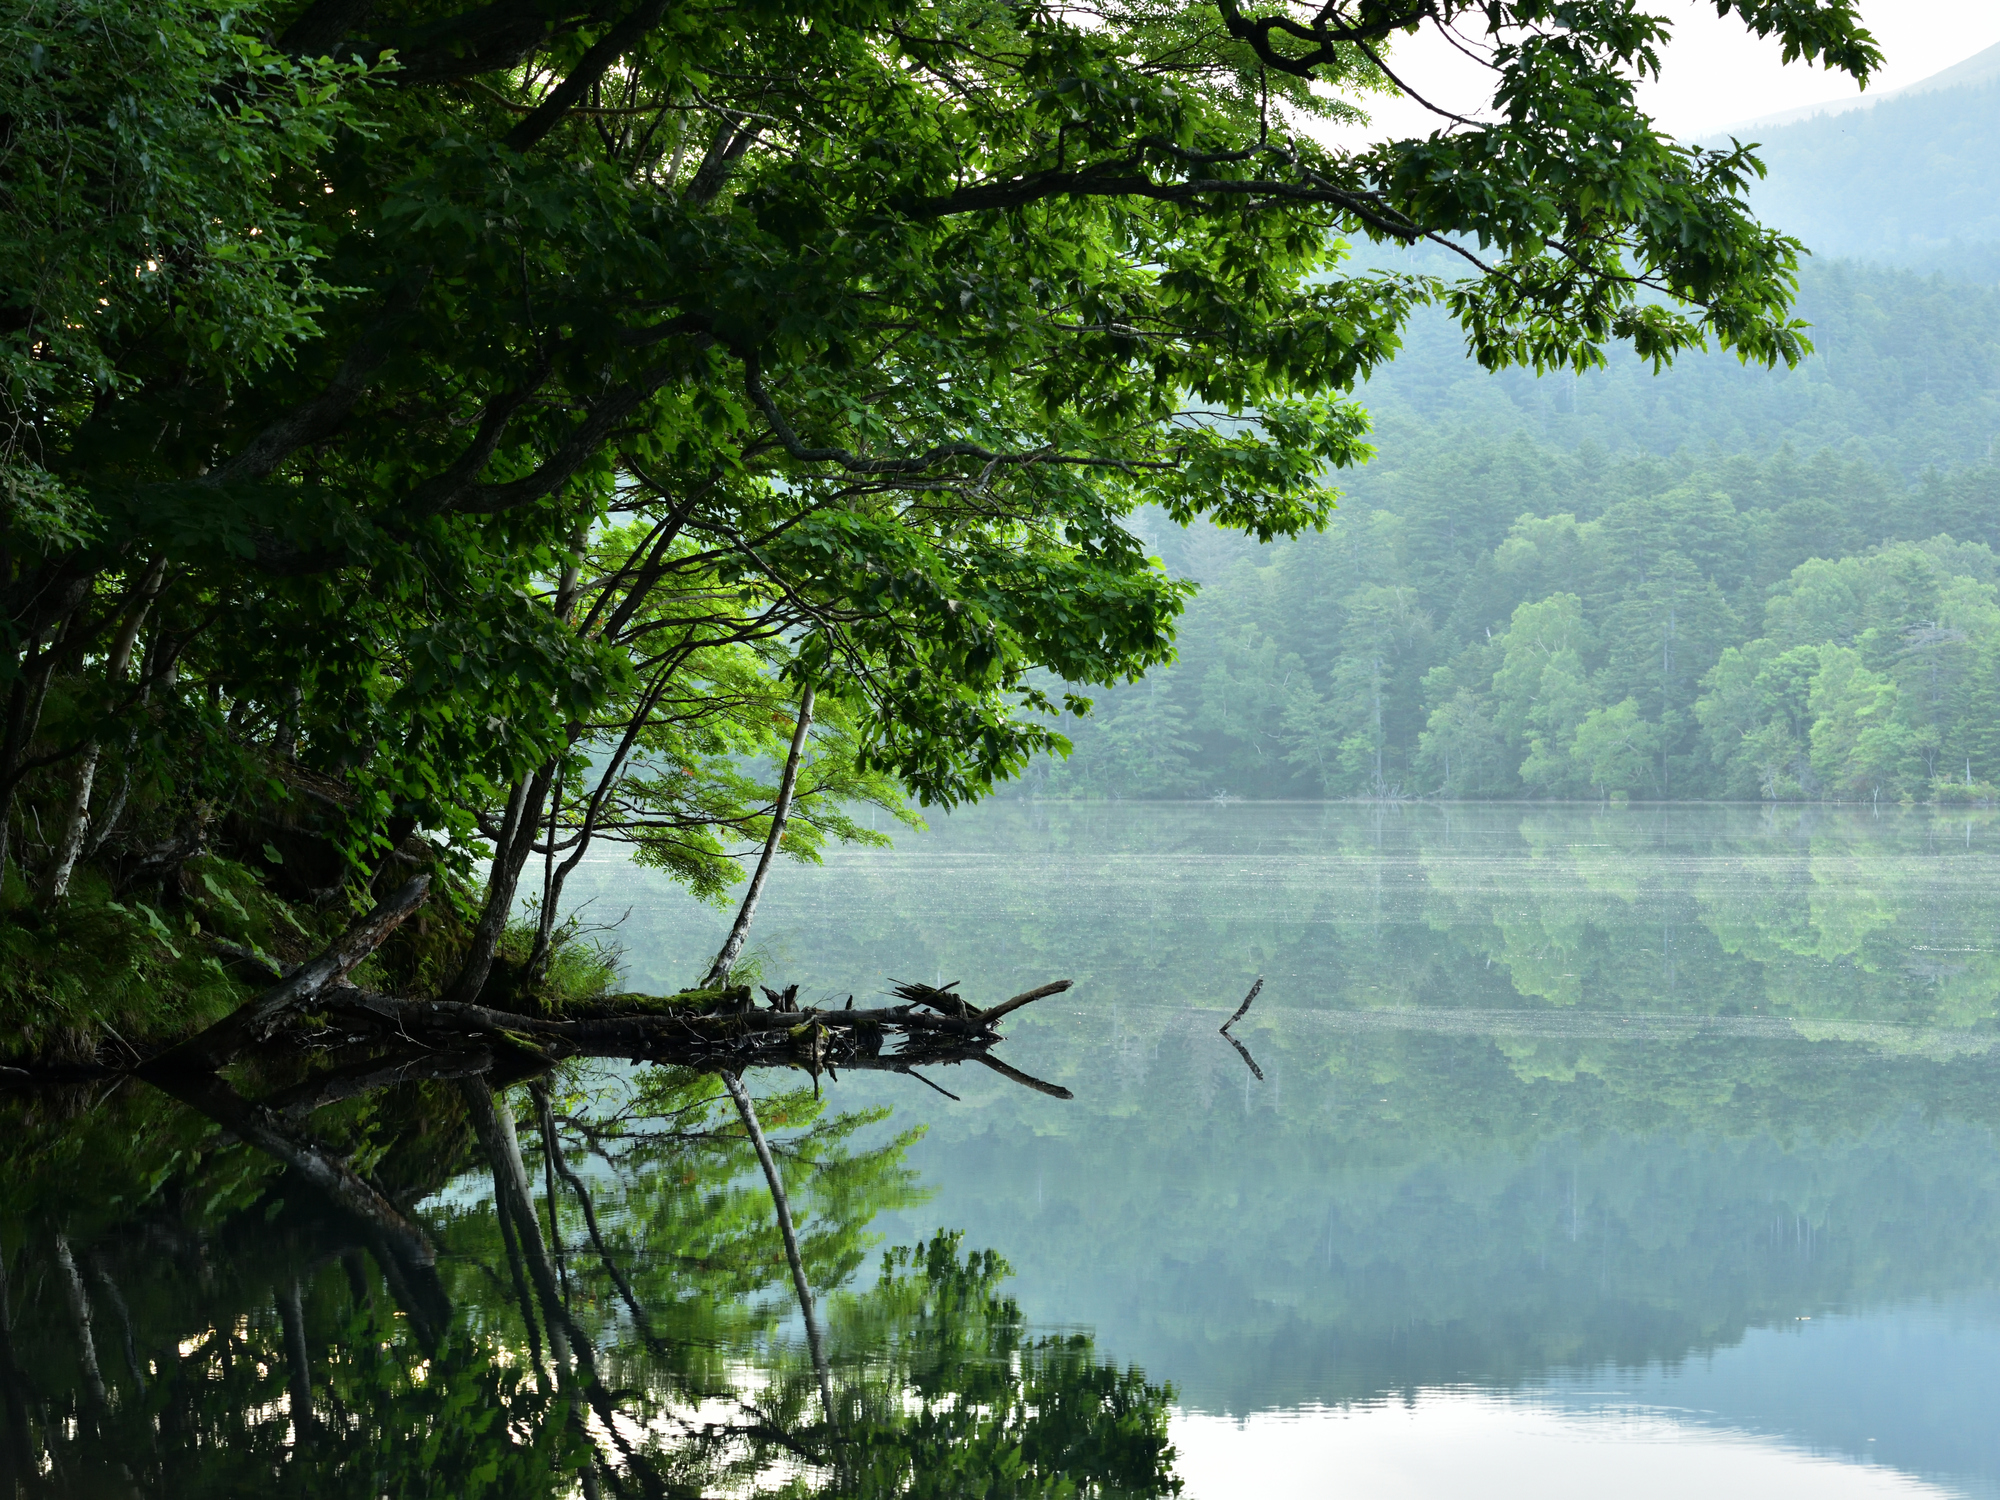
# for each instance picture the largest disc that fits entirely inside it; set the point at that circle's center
(1913, 181)
(1981, 67)
(1906, 372)
(1718, 582)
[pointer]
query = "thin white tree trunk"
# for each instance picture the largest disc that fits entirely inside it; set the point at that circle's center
(80, 1320)
(732, 947)
(748, 1111)
(77, 824)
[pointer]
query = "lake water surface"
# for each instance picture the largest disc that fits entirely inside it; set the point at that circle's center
(1565, 1152)
(1637, 1151)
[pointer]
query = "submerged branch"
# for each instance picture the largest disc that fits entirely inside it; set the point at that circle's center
(708, 1029)
(1255, 989)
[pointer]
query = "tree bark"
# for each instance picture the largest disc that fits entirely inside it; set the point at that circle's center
(118, 1305)
(298, 1357)
(20, 1446)
(510, 858)
(24, 717)
(732, 947)
(493, 1123)
(77, 824)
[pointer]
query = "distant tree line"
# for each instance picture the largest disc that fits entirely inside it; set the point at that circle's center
(1500, 619)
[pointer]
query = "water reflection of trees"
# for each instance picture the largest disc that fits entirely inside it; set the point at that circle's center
(1820, 913)
(591, 1298)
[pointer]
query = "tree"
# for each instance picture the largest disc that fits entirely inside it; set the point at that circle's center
(886, 314)
(1860, 743)
(1616, 750)
(1460, 752)
(1541, 689)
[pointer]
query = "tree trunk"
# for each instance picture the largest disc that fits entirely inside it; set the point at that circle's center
(30, 692)
(77, 824)
(298, 1356)
(78, 1298)
(510, 858)
(20, 1447)
(493, 1123)
(732, 947)
(102, 1275)
(554, 879)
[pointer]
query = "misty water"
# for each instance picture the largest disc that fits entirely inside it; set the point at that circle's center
(1568, 1151)
(1625, 1150)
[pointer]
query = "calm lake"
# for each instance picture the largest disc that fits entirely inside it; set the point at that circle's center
(1566, 1152)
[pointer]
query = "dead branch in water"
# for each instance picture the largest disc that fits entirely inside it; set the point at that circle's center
(379, 1040)
(1244, 1053)
(1254, 990)
(708, 1029)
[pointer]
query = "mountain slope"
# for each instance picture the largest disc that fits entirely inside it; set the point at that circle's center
(1913, 181)
(1906, 371)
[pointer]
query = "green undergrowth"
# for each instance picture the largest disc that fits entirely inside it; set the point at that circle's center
(132, 972)
(142, 968)
(424, 956)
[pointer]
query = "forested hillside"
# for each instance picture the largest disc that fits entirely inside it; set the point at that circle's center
(1905, 370)
(1913, 181)
(1712, 584)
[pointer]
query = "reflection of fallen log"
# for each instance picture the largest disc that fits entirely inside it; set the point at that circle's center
(324, 1170)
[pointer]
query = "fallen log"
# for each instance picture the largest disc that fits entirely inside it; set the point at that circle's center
(707, 1029)
(716, 1019)
(715, 1030)
(256, 1019)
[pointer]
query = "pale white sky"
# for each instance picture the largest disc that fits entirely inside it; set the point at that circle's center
(1716, 74)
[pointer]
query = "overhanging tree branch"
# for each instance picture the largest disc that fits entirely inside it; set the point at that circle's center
(930, 458)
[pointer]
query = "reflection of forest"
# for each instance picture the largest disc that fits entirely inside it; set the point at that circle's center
(588, 1299)
(1405, 1209)
(1547, 1087)
(1822, 913)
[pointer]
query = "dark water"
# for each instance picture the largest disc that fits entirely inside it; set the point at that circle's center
(1640, 1152)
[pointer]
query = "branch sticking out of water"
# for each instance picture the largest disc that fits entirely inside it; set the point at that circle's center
(1239, 1014)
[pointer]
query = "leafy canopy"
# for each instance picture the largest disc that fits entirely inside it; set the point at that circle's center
(868, 323)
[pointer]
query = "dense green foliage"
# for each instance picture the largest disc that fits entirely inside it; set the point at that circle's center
(1505, 606)
(485, 425)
